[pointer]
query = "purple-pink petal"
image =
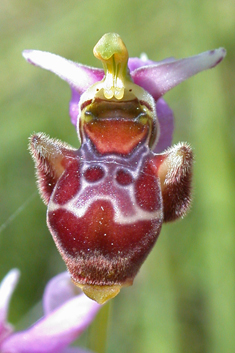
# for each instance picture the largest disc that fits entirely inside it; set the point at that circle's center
(58, 291)
(7, 288)
(77, 75)
(160, 78)
(166, 121)
(53, 333)
(73, 106)
(135, 63)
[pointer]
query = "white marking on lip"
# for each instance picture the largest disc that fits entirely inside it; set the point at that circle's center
(119, 218)
(122, 198)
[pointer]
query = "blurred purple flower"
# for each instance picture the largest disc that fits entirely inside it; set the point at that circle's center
(155, 77)
(67, 314)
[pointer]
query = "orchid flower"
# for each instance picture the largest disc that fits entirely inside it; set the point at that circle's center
(67, 313)
(108, 200)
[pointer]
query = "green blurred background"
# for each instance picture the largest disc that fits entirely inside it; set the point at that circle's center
(183, 299)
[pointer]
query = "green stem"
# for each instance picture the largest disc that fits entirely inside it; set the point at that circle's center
(98, 331)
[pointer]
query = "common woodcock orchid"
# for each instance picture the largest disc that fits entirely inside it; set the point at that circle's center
(107, 200)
